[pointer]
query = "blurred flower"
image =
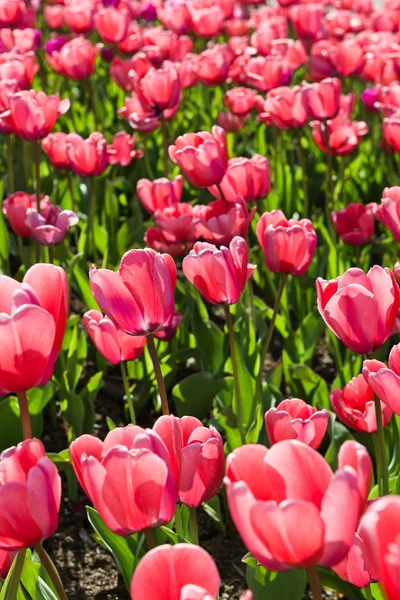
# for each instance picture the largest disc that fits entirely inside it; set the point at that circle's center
(343, 134)
(78, 15)
(54, 16)
(295, 420)
(208, 21)
(75, 59)
(6, 561)
(388, 211)
(15, 208)
(240, 100)
(213, 65)
(112, 24)
(122, 149)
(385, 381)
(11, 12)
(322, 100)
(348, 57)
(175, 16)
(230, 122)
(120, 70)
(306, 19)
(19, 67)
(23, 40)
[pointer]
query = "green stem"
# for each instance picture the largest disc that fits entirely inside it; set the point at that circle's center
(12, 590)
(239, 407)
(92, 215)
(24, 415)
(10, 168)
(178, 521)
(36, 152)
(92, 102)
(302, 160)
(382, 447)
(128, 392)
(193, 525)
(51, 255)
(146, 158)
(71, 191)
(368, 593)
(313, 580)
(51, 570)
(165, 147)
(329, 197)
(357, 256)
(378, 462)
(157, 369)
(150, 539)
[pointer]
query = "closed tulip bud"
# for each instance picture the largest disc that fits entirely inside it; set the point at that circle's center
(219, 222)
(139, 298)
(360, 308)
(128, 477)
(15, 208)
(187, 571)
(355, 567)
(355, 223)
(75, 59)
(160, 88)
(112, 24)
(385, 381)
(50, 227)
(288, 245)
(202, 157)
(270, 490)
(88, 157)
(240, 100)
(389, 210)
(322, 100)
(248, 178)
(160, 193)
(122, 150)
(295, 420)
(204, 267)
(110, 341)
(197, 456)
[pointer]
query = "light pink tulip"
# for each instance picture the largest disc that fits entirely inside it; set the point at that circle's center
(51, 226)
(389, 210)
(295, 420)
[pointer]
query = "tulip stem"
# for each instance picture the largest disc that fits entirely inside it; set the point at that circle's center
(128, 392)
(10, 168)
(157, 369)
(178, 521)
(381, 447)
(71, 191)
(90, 94)
(51, 570)
(51, 255)
(193, 525)
(302, 160)
(165, 146)
(368, 593)
(313, 580)
(146, 157)
(357, 256)
(239, 408)
(12, 591)
(150, 539)
(24, 415)
(36, 152)
(378, 462)
(92, 215)
(329, 197)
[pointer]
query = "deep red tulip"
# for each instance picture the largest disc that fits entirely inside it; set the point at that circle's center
(110, 341)
(388, 211)
(285, 108)
(240, 100)
(160, 193)
(177, 223)
(112, 24)
(354, 405)
(344, 135)
(202, 157)
(15, 208)
(197, 457)
(385, 381)
(360, 308)
(78, 16)
(160, 88)
(6, 561)
(219, 274)
(55, 146)
(207, 22)
(354, 223)
(128, 477)
(306, 19)
(219, 222)
(50, 227)
(75, 59)
(288, 245)
(271, 490)
(87, 157)
(248, 178)
(139, 298)
(122, 150)
(295, 420)
(188, 573)
(30, 494)
(355, 567)
(322, 100)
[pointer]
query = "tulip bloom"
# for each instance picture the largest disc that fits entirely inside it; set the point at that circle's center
(55, 146)
(175, 16)
(389, 210)
(288, 245)
(248, 178)
(112, 24)
(110, 341)
(15, 208)
(360, 308)
(344, 135)
(230, 122)
(202, 157)
(30, 494)
(50, 227)
(290, 509)
(348, 57)
(219, 222)
(139, 298)
(385, 381)
(355, 223)
(177, 223)
(128, 477)
(322, 100)
(307, 19)
(219, 275)
(78, 16)
(285, 108)
(197, 457)
(87, 158)
(33, 317)
(75, 59)
(18, 67)
(354, 405)
(169, 332)
(391, 130)
(160, 193)
(295, 420)
(355, 567)
(213, 65)
(240, 100)
(188, 573)
(122, 150)
(266, 72)
(160, 88)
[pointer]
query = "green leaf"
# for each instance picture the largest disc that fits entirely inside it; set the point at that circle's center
(213, 509)
(194, 395)
(39, 397)
(301, 346)
(330, 580)
(288, 585)
(83, 284)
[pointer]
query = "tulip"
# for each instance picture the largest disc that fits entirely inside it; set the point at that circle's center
(50, 227)
(266, 72)
(55, 146)
(30, 494)
(285, 108)
(175, 16)
(322, 100)
(160, 193)
(133, 40)
(307, 19)
(128, 477)
(122, 150)
(197, 457)
(207, 22)
(11, 12)
(169, 332)
(354, 405)
(389, 210)
(160, 88)
(54, 16)
(391, 130)
(229, 122)
(290, 509)
(188, 573)
(219, 222)
(355, 223)
(240, 100)
(120, 70)
(139, 298)
(78, 16)
(6, 560)
(112, 24)
(141, 116)
(15, 208)
(348, 57)
(87, 158)
(177, 223)
(213, 65)
(355, 567)
(219, 275)
(202, 157)
(385, 381)
(75, 59)
(295, 420)
(19, 67)
(261, 39)
(288, 245)
(155, 238)
(110, 341)
(248, 178)
(360, 308)
(343, 134)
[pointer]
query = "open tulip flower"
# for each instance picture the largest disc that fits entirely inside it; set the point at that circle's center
(295, 420)
(385, 381)
(51, 226)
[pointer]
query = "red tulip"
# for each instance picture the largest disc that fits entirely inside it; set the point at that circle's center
(55, 146)
(306, 19)
(354, 223)
(344, 135)
(289, 508)
(202, 157)
(78, 16)
(354, 405)
(177, 223)
(139, 298)
(128, 477)
(295, 420)
(219, 274)
(288, 245)
(240, 100)
(160, 88)
(389, 210)
(76, 59)
(188, 573)
(320, 62)
(88, 157)
(112, 24)
(110, 341)
(355, 567)
(19, 67)
(160, 193)
(207, 22)
(322, 100)
(122, 150)
(50, 227)
(248, 178)
(219, 222)
(6, 561)
(16, 206)
(360, 308)
(385, 381)
(285, 107)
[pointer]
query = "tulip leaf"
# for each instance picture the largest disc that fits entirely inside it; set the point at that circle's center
(82, 282)
(194, 395)
(288, 585)
(10, 423)
(330, 580)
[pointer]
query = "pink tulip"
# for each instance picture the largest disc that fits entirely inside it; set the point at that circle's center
(112, 24)
(354, 223)
(391, 131)
(219, 275)
(30, 494)
(360, 308)
(122, 150)
(348, 57)
(141, 116)
(78, 16)
(55, 146)
(389, 210)
(75, 59)
(128, 477)
(19, 67)
(6, 560)
(240, 100)
(15, 208)
(11, 12)
(355, 406)
(285, 108)
(219, 222)
(355, 567)
(139, 298)
(208, 21)
(202, 157)
(322, 100)
(54, 16)
(169, 332)
(87, 157)
(385, 381)
(230, 122)
(213, 65)
(177, 223)
(110, 341)
(289, 508)
(344, 135)
(188, 573)
(120, 70)
(266, 72)
(307, 19)
(197, 457)
(295, 420)
(160, 193)
(160, 88)
(50, 227)
(175, 16)
(248, 178)
(288, 245)
(156, 240)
